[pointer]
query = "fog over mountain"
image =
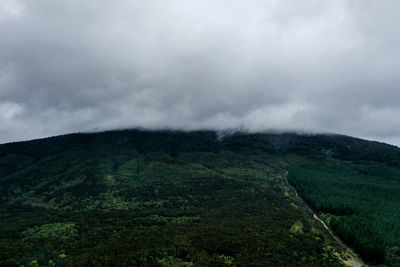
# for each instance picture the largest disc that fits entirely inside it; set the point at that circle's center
(310, 65)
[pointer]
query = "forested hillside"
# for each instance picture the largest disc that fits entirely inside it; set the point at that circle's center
(171, 198)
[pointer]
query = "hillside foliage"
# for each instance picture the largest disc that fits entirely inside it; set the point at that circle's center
(171, 198)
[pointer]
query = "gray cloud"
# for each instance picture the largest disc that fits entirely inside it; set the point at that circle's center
(328, 66)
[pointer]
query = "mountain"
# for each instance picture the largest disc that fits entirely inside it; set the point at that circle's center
(201, 198)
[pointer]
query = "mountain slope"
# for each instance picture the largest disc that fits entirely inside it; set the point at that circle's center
(167, 198)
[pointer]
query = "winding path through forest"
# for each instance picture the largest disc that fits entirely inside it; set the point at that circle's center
(349, 257)
(352, 258)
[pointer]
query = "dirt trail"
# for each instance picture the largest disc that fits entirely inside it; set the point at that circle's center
(349, 257)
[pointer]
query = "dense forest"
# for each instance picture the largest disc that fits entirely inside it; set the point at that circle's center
(359, 201)
(172, 198)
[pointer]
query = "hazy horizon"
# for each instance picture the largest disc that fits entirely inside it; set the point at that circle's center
(223, 132)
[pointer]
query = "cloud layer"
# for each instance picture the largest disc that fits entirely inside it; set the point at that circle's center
(322, 66)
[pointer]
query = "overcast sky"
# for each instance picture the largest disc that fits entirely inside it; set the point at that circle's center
(311, 65)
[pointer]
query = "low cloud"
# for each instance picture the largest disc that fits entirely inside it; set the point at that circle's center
(73, 66)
